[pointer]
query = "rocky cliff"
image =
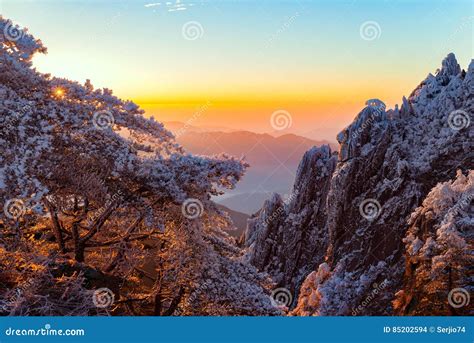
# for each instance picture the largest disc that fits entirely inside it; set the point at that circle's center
(287, 238)
(347, 221)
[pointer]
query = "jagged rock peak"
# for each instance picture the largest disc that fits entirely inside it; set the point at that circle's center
(316, 166)
(316, 157)
(389, 161)
(449, 66)
(282, 237)
(470, 69)
(367, 128)
(449, 69)
(258, 223)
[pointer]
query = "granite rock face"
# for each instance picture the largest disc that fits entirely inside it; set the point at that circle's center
(287, 237)
(349, 219)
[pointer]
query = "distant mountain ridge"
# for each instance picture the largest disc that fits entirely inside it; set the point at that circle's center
(177, 127)
(273, 161)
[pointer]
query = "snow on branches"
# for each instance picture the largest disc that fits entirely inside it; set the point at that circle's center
(87, 181)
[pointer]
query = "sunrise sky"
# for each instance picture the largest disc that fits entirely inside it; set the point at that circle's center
(250, 59)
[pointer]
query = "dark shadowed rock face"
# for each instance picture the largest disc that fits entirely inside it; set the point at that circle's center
(287, 237)
(388, 163)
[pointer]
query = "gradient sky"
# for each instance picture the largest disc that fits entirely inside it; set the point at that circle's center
(254, 57)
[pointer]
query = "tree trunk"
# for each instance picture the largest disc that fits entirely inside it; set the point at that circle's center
(56, 226)
(175, 303)
(79, 246)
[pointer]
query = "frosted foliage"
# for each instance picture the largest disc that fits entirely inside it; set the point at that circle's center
(329, 293)
(450, 206)
(439, 249)
(101, 188)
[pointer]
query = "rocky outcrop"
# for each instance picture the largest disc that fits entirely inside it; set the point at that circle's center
(287, 238)
(388, 162)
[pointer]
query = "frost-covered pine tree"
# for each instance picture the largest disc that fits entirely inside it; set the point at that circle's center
(439, 244)
(87, 183)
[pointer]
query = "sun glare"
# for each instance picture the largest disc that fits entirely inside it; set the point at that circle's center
(59, 92)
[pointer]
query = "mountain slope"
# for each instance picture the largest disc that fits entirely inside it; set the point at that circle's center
(388, 162)
(239, 220)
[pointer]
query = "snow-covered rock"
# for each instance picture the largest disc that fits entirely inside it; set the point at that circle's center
(388, 162)
(287, 237)
(439, 245)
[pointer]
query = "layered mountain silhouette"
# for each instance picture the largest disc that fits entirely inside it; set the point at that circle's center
(385, 226)
(273, 161)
